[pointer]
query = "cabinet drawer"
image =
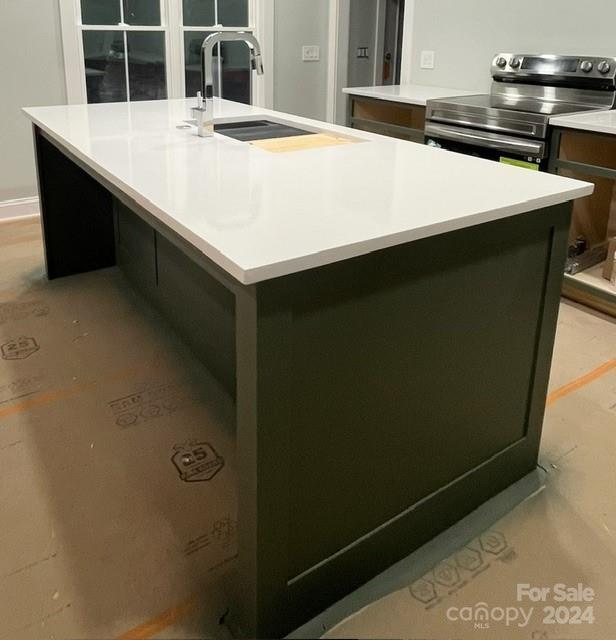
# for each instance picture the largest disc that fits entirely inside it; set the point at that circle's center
(588, 148)
(403, 115)
(393, 131)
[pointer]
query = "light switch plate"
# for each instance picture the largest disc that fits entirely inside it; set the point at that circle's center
(311, 53)
(427, 59)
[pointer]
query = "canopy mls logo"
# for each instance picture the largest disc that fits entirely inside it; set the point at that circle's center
(481, 615)
(19, 348)
(197, 461)
(572, 607)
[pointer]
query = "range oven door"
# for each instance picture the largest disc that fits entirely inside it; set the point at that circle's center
(531, 154)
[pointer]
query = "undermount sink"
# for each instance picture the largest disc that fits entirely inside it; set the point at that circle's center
(264, 133)
(250, 130)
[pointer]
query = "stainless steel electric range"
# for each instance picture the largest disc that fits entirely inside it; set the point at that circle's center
(511, 123)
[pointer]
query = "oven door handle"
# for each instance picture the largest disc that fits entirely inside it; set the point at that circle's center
(487, 140)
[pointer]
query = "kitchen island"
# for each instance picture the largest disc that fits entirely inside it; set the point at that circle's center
(383, 314)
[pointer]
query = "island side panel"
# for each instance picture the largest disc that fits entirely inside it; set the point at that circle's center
(76, 214)
(260, 606)
(382, 399)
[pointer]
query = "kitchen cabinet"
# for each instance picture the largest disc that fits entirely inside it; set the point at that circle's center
(589, 156)
(405, 121)
(398, 111)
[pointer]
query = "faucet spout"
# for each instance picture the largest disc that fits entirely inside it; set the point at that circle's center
(204, 111)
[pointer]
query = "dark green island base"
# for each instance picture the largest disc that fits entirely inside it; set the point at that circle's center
(379, 400)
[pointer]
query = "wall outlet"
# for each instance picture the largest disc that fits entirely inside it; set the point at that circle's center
(311, 53)
(427, 59)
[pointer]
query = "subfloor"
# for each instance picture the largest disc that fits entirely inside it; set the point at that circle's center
(109, 527)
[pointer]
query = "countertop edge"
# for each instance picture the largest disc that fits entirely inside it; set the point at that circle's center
(562, 122)
(369, 92)
(331, 256)
(358, 92)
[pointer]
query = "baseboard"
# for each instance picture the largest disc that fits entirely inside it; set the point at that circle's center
(19, 208)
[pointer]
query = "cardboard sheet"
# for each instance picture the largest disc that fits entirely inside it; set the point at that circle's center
(117, 491)
(117, 485)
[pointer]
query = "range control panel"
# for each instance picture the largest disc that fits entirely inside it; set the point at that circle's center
(512, 65)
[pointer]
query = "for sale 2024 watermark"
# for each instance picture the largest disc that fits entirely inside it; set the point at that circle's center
(559, 604)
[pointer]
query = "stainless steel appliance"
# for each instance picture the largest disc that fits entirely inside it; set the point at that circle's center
(511, 123)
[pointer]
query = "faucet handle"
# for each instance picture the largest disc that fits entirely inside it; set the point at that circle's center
(257, 63)
(201, 105)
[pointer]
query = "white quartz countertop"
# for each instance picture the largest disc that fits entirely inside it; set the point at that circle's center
(598, 121)
(260, 215)
(408, 93)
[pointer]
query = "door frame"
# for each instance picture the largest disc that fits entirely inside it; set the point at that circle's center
(407, 42)
(262, 25)
(337, 72)
(338, 59)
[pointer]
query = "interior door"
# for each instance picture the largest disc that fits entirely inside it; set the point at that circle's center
(389, 42)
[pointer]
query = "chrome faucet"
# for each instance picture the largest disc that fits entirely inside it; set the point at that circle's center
(204, 111)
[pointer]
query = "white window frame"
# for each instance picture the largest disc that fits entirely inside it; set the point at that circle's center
(261, 19)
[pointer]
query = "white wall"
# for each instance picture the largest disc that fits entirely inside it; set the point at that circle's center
(465, 34)
(300, 87)
(31, 73)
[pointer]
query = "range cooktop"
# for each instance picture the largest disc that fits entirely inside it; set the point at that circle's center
(526, 104)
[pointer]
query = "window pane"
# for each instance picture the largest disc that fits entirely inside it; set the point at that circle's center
(236, 70)
(192, 56)
(100, 11)
(105, 71)
(199, 13)
(146, 65)
(233, 13)
(142, 12)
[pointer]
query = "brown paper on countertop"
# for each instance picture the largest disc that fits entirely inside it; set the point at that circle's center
(301, 143)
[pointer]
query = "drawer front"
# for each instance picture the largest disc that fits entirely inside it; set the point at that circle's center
(588, 148)
(402, 121)
(403, 115)
(393, 131)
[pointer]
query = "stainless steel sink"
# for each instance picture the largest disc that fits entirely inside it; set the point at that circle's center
(250, 130)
